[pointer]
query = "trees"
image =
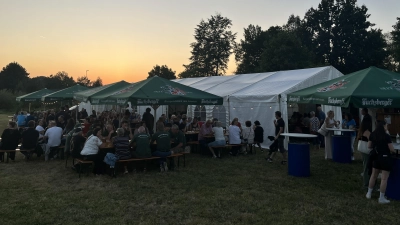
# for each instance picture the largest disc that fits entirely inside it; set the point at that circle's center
(343, 37)
(162, 71)
(11, 75)
(97, 83)
(395, 45)
(213, 45)
(61, 80)
(84, 81)
(284, 51)
(248, 51)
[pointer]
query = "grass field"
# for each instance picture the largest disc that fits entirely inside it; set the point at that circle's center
(232, 190)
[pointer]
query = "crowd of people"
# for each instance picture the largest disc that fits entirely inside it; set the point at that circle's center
(133, 135)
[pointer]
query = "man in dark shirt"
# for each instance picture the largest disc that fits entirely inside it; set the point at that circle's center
(29, 138)
(78, 141)
(367, 117)
(61, 113)
(148, 118)
(178, 139)
(29, 118)
(279, 129)
(61, 122)
(163, 141)
(127, 130)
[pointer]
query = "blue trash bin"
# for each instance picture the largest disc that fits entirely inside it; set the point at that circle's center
(393, 183)
(299, 159)
(341, 149)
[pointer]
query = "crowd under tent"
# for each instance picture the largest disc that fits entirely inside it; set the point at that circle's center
(257, 96)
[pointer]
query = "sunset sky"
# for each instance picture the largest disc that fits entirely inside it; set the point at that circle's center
(124, 39)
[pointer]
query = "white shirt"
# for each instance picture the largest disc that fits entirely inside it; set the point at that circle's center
(218, 133)
(234, 135)
(91, 146)
(54, 136)
(39, 129)
(248, 133)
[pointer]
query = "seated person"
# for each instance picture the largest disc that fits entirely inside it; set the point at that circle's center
(53, 136)
(77, 143)
(205, 130)
(182, 125)
(219, 138)
(10, 139)
(141, 143)
(163, 146)
(178, 139)
(29, 139)
(91, 149)
(40, 128)
(121, 145)
(108, 132)
(127, 129)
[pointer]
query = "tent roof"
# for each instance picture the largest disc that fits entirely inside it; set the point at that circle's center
(34, 96)
(87, 95)
(367, 88)
(160, 91)
(64, 94)
(255, 87)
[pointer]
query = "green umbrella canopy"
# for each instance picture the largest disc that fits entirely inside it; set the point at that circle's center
(87, 95)
(64, 94)
(160, 91)
(34, 96)
(368, 88)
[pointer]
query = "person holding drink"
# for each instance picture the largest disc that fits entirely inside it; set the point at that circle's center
(329, 122)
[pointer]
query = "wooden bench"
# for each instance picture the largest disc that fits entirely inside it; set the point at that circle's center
(15, 150)
(193, 144)
(80, 162)
(226, 147)
(176, 155)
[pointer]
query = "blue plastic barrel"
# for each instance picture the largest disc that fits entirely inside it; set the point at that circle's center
(341, 149)
(299, 159)
(393, 183)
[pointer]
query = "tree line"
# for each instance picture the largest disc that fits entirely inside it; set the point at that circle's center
(15, 78)
(336, 33)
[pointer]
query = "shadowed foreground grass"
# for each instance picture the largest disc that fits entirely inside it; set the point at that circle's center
(233, 190)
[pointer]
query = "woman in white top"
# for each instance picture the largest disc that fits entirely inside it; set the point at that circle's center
(248, 135)
(234, 137)
(330, 122)
(40, 128)
(219, 138)
(90, 151)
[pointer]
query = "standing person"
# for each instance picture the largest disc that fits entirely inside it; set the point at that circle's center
(366, 116)
(258, 134)
(330, 122)
(148, 118)
(248, 136)
(314, 127)
(363, 136)
(279, 129)
(21, 119)
(128, 107)
(382, 146)
(234, 137)
(91, 149)
(10, 139)
(29, 139)
(163, 146)
(321, 116)
(219, 138)
(29, 117)
(349, 123)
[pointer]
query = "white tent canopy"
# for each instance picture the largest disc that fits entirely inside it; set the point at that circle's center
(257, 96)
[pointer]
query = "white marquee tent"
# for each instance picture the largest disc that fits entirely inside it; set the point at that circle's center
(257, 96)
